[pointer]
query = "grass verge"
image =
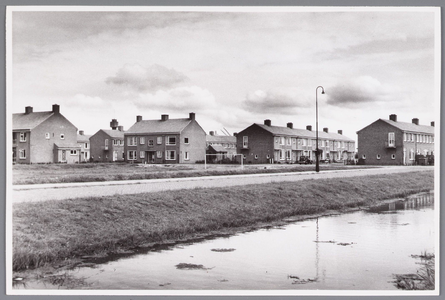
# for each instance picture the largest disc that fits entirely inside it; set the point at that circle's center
(53, 231)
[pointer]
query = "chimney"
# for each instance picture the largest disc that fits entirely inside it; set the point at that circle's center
(309, 127)
(212, 133)
(28, 110)
(164, 117)
(432, 123)
(416, 121)
(326, 129)
(81, 132)
(393, 117)
(235, 134)
(138, 118)
(56, 108)
(120, 128)
(267, 122)
(290, 125)
(340, 131)
(113, 124)
(192, 116)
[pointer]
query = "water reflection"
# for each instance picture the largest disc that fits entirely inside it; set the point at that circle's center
(414, 202)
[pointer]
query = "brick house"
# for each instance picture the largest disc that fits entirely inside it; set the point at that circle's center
(44, 137)
(107, 145)
(264, 143)
(390, 142)
(83, 141)
(220, 146)
(165, 141)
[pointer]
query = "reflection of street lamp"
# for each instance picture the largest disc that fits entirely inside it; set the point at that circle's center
(317, 163)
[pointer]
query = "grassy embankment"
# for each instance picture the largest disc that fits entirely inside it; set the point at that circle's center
(59, 173)
(51, 231)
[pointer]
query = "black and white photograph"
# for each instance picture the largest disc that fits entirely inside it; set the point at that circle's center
(222, 150)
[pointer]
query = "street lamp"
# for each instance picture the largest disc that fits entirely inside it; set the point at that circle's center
(317, 163)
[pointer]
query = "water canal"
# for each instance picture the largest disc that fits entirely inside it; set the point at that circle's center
(353, 251)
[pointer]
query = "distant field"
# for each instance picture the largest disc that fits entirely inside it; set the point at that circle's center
(58, 173)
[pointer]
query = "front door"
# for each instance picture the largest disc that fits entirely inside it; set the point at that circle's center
(63, 155)
(114, 155)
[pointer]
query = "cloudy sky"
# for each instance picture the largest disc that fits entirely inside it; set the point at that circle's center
(231, 68)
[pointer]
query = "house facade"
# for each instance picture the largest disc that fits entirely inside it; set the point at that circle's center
(391, 142)
(264, 143)
(83, 141)
(44, 137)
(107, 145)
(165, 140)
(219, 147)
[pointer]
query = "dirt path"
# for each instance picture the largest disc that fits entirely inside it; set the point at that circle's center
(42, 192)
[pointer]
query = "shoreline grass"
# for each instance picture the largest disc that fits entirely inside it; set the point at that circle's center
(50, 232)
(63, 173)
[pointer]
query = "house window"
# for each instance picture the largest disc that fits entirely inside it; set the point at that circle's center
(170, 155)
(282, 140)
(391, 139)
(303, 142)
(288, 140)
(132, 141)
(171, 140)
(364, 156)
(47, 135)
(186, 140)
(131, 154)
(73, 152)
(85, 146)
(62, 136)
(404, 137)
(115, 142)
(121, 142)
(23, 136)
(159, 140)
(267, 156)
(309, 142)
(186, 156)
(159, 154)
(282, 154)
(378, 156)
(142, 154)
(294, 141)
(142, 140)
(256, 156)
(277, 140)
(245, 141)
(393, 156)
(151, 143)
(411, 154)
(106, 143)
(288, 154)
(22, 154)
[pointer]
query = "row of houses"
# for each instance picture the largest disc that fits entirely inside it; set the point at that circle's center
(48, 137)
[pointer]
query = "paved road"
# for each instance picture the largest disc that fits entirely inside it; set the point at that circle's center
(42, 192)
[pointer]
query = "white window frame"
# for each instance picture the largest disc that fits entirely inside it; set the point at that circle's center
(141, 154)
(288, 154)
(151, 143)
(47, 135)
(142, 140)
(85, 145)
(303, 142)
(106, 143)
(378, 156)
(288, 141)
(186, 155)
(131, 155)
(22, 154)
(132, 141)
(167, 156)
(23, 136)
(159, 154)
(245, 141)
(282, 154)
(282, 140)
(393, 156)
(73, 152)
(411, 154)
(115, 142)
(159, 140)
(167, 141)
(391, 139)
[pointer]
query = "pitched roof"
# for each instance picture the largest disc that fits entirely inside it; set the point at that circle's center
(218, 148)
(221, 138)
(29, 121)
(405, 126)
(159, 126)
(281, 130)
(83, 137)
(114, 133)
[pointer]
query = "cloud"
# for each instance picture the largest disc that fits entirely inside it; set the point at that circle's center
(139, 79)
(81, 100)
(177, 99)
(284, 101)
(363, 89)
